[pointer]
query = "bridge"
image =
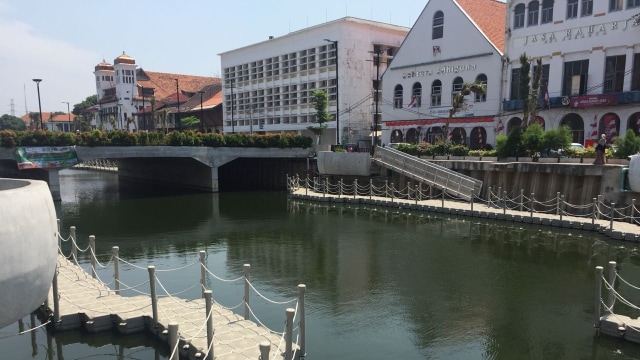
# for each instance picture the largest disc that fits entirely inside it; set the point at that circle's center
(191, 167)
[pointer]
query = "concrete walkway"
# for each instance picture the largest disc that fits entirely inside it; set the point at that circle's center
(621, 230)
(85, 303)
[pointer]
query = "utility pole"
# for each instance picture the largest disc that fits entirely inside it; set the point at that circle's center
(37, 81)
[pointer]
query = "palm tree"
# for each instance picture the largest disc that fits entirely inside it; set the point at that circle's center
(458, 101)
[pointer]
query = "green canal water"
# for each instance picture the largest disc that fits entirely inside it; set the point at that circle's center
(381, 283)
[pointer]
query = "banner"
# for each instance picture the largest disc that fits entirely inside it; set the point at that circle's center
(45, 157)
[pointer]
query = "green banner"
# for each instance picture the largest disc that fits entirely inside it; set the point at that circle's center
(45, 157)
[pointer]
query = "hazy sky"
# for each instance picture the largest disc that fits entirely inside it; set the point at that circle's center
(60, 41)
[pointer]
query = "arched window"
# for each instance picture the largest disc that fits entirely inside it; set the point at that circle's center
(482, 79)
(534, 9)
(547, 11)
(456, 87)
(437, 30)
(436, 93)
(416, 95)
(518, 16)
(397, 97)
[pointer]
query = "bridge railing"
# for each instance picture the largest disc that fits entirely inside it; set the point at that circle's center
(118, 286)
(424, 171)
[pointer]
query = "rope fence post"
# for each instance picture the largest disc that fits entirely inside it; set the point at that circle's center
(471, 201)
(339, 188)
(392, 191)
(370, 188)
(504, 202)
(598, 206)
(632, 211)
(611, 216)
(531, 206)
(386, 188)
(265, 348)
(355, 188)
(442, 201)
(207, 300)
(561, 210)
(499, 193)
(173, 341)
(306, 185)
(56, 298)
(203, 273)
(521, 199)
(288, 352)
(593, 212)
(92, 256)
(246, 268)
(611, 272)
(417, 194)
(74, 246)
(558, 203)
(154, 298)
(324, 188)
(598, 296)
(301, 323)
(116, 269)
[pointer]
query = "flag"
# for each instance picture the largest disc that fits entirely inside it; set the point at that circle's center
(546, 98)
(500, 126)
(412, 103)
(594, 127)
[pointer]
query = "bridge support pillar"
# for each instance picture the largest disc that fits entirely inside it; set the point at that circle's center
(215, 186)
(54, 183)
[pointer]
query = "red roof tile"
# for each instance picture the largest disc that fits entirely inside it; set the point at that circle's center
(490, 17)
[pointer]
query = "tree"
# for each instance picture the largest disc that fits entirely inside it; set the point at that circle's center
(533, 139)
(35, 120)
(9, 122)
(131, 120)
(88, 102)
(320, 104)
(189, 121)
(529, 92)
(459, 102)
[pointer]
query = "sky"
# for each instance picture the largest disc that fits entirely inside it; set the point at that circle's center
(62, 41)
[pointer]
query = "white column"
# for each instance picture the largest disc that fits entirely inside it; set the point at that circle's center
(628, 66)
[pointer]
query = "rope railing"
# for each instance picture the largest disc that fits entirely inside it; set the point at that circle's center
(115, 286)
(497, 198)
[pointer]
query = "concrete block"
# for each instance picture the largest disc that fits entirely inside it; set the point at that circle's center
(612, 324)
(632, 331)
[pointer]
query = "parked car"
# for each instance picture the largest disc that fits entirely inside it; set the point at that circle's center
(558, 152)
(395, 145)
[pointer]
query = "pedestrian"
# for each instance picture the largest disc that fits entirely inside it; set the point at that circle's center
(600, 148)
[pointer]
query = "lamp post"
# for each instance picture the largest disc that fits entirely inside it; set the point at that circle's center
(178, 115)
(335, 45)
(69, 114)
(201, 113)
(37, 81)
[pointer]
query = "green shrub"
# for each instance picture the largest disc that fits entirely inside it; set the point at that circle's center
(626, 145)
(8, 138)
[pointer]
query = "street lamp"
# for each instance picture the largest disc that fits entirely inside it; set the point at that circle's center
(37, 81)
(201, 114)
(68, 113)
(335, 45)
(178, 115)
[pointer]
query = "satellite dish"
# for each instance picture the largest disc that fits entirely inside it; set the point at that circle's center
(565, 100)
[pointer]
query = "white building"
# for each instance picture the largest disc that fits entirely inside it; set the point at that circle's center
(452, 42)
(268, 85)
(590, 53)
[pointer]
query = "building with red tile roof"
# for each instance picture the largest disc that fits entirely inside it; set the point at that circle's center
(452, 42)
(124, 90)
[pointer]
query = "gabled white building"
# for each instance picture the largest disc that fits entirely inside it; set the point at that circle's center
(452, 42)
(590, 51)
(268, 85)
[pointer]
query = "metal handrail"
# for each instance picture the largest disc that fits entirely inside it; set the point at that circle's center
(425, 171)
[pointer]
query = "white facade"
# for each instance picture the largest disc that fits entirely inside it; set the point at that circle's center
(271, 82)
(444, 49)
(590, 51)
(116, 89)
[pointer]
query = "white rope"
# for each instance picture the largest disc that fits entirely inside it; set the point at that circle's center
(173, 297)
(134, 288)
(260, 322)
(626, 282)
(271, 301)
(26, 331)
(178, 268)
(230, 308)
(221, 279)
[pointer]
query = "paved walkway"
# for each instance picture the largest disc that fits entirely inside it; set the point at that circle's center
(86, 303)
(621, 230)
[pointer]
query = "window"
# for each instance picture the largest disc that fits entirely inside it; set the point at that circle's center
(482, 78)
(514, 93)
(575, 77)
(587, 8)
(416, 95)
(436, 93)
(633, 3)
(534, 9)
(456, 87)
(518, 17)
(397, 97)
(547, 11)
(614, 73)
(437, 30)
(572, 9)
(615, 5)
(635, 75)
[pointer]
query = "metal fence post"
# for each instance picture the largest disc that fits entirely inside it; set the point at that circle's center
(246, 268)
(504, 202)
(301, 323)
(593, 212)
(442, 204)
(598, 296)
(370, 188)
(74, 246)
(471, 201)
(633, 211)
(417, 194)
(288, 353)
(324, 189)
(56, 298)
(154, 298)
(613, 209)
(355, 188)
(116, 269)
(92, 256)
(173, 341)
(561, 210)
(209, 318)
(386, 188)
(265, 348)
(203, 273)
(339, 188)
(531, 206)
(521, 199)
(558, 203)
(611, 271)
(598, 206)
(392, 191)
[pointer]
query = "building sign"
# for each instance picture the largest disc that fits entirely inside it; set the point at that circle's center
(575, 33)
(445, 69)
(439, 122)
(45, 157)
(467, 110)
(587, 101)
